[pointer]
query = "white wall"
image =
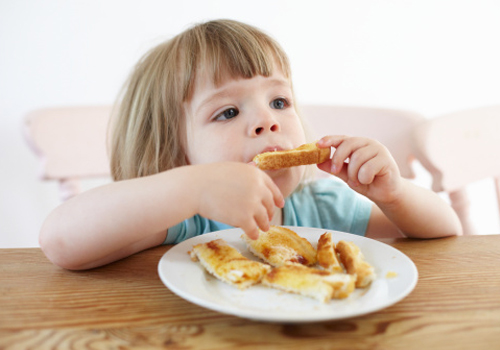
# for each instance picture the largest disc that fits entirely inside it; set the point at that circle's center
(430, 56)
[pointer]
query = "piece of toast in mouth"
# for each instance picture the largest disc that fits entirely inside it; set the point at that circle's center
(303, 155)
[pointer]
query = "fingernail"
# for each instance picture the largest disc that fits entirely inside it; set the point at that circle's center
(334, 169)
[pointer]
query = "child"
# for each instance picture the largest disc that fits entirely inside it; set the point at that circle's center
(195, 112)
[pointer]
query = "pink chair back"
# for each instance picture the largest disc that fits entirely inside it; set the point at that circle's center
(458, 149)
(391, 127)
(71, 143)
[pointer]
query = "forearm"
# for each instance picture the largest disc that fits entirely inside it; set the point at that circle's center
(116, 220)
(420, 213)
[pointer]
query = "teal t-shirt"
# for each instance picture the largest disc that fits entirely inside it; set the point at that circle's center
(327, 203)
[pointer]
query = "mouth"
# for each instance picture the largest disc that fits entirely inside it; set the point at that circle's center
(268, 149)
(272, 149)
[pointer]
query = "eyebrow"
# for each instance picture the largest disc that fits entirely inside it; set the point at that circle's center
(226, 91)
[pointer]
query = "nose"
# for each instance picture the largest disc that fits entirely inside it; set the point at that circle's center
(264, 122)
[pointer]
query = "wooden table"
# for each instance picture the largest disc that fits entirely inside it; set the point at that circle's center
(455, 305)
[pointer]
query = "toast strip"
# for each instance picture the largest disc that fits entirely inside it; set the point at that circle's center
(303, 155)
(327, 255)
(280, 245)
(315, 283)
(227, 264)
(354, 262)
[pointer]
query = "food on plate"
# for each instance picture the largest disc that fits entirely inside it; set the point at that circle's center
(354, 262)
(315, 283)
(331, 271)
(303, 155)
(327, 255)
(281, 245)
(227, 264)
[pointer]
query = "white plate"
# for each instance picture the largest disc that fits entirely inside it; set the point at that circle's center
(396, 278)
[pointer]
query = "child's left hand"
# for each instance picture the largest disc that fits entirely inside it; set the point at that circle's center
(365, 165)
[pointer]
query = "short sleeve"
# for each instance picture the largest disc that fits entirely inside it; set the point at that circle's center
(195, 226)
(328, 204)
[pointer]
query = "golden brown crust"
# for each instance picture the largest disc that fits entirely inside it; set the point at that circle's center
(315, 283)
(340, 267)
(351, 257)
(303, 155)
(327, 255)
(227, 264)
(280, 245)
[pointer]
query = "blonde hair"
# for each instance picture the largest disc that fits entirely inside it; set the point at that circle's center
(148, 132)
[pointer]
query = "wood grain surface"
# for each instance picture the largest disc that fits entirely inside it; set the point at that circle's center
(456, 305)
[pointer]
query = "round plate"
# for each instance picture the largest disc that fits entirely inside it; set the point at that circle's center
(396, 277)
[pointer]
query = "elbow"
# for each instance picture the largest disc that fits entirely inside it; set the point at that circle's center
(52, 248)
(55, 248)
(455, 229)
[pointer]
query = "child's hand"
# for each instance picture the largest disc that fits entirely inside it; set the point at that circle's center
(365, 165)
(239, 195)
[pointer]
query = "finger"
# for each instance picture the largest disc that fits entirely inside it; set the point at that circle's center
(251, 230)
(262, 220)
(344, 151)
(331, 141)
(357, 160)
(278, 198)
(342, 174)
(268, 204)
(326, 166)
(370, 169)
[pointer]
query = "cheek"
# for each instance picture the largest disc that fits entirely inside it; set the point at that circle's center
(199, 152)
(199, 145)
(297, 133)
(209, 148)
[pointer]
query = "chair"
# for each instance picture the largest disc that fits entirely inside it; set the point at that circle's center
(391, 127)
(71, 143)
(458, 149)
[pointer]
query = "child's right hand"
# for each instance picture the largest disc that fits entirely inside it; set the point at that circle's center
(237, 194)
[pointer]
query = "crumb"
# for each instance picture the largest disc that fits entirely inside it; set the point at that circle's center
(391, 274)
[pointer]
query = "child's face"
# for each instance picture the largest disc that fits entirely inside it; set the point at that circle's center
(242, 118)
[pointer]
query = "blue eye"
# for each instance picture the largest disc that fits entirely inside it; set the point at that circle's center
(279, 103)
(227, 114)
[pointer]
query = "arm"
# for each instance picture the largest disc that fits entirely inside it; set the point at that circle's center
(400, 205)
(114, 221)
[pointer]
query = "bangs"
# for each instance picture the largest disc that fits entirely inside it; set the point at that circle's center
(229, 49)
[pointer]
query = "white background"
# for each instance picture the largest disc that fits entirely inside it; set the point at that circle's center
(429, 56)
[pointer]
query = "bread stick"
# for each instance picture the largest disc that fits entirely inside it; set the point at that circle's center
(354, 262)
(303, 155)
(327, 255)
(227, 264)
(280, 245)
(315, 283)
